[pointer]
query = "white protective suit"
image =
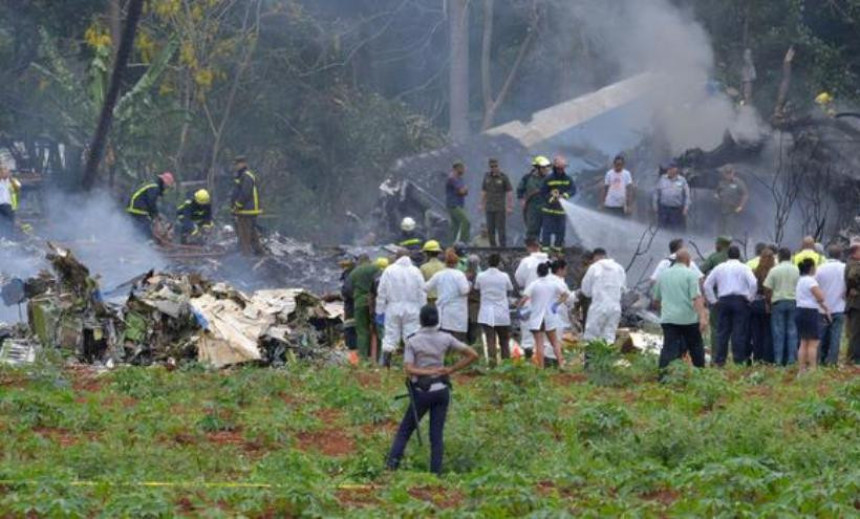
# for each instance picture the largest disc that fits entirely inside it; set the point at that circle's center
(452, 289)
(400, 298)
(525, 275)
(604, 283)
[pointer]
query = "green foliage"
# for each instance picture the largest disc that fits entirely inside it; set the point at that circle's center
(519, 442)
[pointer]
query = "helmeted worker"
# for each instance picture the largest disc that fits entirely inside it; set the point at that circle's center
(825, 101)
(410, 239)
(557, 186)
(245, 204)
(528, 192)
(604, 282)
(399, 299)
(194, 216)
(143, 203)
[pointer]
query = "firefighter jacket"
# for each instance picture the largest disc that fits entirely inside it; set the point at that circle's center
(144, 201)
(556, 186)
(245, 200)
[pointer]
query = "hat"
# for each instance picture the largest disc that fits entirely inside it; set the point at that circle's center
(239, 159)
(167, 178)
(669, 164)
(724, 239)
(381, 262)
(432, 246)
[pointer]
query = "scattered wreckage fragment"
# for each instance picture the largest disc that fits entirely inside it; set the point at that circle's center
(168, 317)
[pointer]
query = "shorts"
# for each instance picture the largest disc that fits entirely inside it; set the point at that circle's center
(808, 323)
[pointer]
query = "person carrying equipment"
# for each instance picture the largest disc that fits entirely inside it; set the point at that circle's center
(195, 217)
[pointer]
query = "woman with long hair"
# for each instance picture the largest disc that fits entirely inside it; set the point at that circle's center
(810, 299)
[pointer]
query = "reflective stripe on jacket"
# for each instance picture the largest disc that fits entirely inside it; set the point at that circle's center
(245, 199)
(144, 201)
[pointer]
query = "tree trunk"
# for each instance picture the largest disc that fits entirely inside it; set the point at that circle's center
(125, 46)
(458, 38)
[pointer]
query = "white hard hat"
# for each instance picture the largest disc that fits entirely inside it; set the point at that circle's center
(407, 224)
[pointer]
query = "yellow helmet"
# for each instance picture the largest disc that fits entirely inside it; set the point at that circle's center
(202, 197)
(824, 98)
(541, 161)
(381, 262)
(432, 246)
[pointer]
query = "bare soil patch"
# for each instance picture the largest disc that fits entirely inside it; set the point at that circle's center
(329, 442)
(439, 496)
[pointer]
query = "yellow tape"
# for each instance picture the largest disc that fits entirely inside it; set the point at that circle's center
(165, 484)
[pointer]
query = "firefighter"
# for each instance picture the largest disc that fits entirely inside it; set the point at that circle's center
(557, 186)
(143, 203)
(195, 217)
(410, 239)
(245, 204)
(528, 191)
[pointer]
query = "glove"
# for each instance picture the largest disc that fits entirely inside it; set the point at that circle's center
(555, 307)
(380, 319)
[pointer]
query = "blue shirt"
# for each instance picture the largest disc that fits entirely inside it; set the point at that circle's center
(453, 187)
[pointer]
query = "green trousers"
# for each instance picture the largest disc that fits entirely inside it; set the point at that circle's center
(460, 226)
(533, 215)
(362, 330)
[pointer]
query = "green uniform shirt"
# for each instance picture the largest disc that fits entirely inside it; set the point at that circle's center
(362, 282)
(496, 188)
(529, 191)
(714, 260)
(782, 281)
(677, 288)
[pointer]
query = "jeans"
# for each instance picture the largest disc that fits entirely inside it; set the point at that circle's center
(460, 226)
(784, 332)
(553, 225)
(733, 324)
(679, 339)
(671, 218)
(760, 338)
(831, 339)
(496, 224)
(437, 403)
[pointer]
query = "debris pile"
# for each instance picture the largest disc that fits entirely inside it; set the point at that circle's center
(167, 318)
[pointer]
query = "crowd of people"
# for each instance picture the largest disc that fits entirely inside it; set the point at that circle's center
(542, 190)
(780, 307)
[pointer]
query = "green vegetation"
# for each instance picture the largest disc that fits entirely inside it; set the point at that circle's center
(306, 441)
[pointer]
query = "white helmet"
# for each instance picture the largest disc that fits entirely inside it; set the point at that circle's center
(407, 224)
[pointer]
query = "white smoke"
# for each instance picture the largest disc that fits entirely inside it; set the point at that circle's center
(635, 36)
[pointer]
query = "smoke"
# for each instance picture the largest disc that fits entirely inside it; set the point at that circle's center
(634, 36)
(99, 233)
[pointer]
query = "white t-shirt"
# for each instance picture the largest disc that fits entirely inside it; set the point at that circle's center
(5, 192)
(831, 279)
(617, 182)
(805, 299)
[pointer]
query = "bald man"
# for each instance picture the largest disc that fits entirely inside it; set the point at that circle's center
(682, 312)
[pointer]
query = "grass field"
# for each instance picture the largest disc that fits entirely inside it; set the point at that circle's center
(304, 441)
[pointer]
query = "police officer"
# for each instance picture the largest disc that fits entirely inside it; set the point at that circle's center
(143, 203)
(195, 217)
(429, 385)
